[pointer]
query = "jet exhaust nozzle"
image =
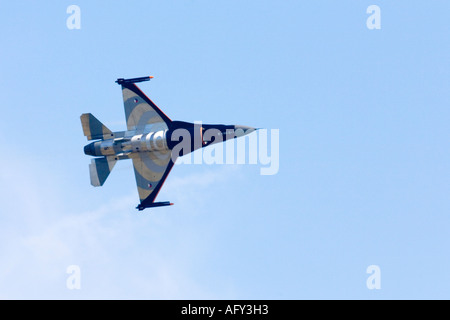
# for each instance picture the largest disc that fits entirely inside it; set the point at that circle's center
(89, 149)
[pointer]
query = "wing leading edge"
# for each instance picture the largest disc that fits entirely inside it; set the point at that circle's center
(140, 110)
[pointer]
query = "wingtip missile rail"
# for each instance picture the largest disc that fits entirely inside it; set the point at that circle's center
(141, 206)
(133, 80)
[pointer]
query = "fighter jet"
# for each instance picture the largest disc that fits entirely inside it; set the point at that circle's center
(152, 141)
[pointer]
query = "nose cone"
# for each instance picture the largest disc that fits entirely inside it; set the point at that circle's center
(240, 131)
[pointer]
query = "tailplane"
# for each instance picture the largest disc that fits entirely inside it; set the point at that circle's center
(93, 128)
(99, 170)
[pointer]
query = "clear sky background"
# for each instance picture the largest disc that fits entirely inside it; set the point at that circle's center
(363, 118)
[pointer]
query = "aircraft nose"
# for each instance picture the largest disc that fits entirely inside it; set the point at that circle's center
(243, 130)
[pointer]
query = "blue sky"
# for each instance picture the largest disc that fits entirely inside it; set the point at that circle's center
(363, 120)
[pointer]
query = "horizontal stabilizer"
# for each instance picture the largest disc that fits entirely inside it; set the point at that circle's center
(93, 128)
(99, 170)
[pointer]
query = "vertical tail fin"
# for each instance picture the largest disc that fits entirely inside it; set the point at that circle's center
(99, 170)
(93, 128)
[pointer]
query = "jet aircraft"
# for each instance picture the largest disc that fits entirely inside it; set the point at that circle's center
(152, 141)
